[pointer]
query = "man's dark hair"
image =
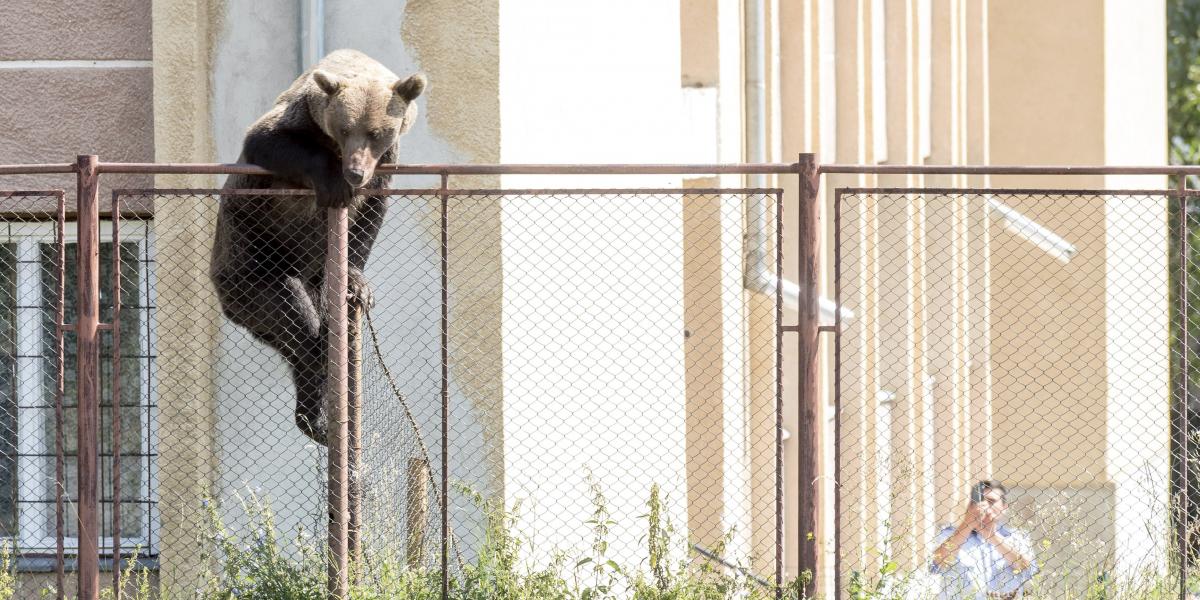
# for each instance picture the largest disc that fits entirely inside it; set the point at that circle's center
(992, 484)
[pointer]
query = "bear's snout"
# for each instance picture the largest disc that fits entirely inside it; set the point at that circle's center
(355, 176)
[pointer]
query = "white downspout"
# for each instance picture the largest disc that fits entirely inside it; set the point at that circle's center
(754, 90)
(1032, 231)
(312, 32)
(760, 276)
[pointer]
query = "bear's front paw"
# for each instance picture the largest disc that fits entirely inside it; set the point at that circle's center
(359, 290)
(337, 194)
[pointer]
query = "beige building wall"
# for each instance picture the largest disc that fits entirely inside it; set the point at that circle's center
(731, 370)
(1136, 277)
(463, 108)
(956, 363)
(1102, 89)
(188, 317)
(73, 83)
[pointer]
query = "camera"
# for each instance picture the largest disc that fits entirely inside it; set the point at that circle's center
(977, 491)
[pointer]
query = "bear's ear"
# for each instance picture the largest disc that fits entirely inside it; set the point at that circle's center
(328, 82)
(410, 88)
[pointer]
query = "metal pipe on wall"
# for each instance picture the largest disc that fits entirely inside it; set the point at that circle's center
(754, 90)
(312, 32)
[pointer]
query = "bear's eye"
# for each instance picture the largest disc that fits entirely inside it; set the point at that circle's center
(379, 133)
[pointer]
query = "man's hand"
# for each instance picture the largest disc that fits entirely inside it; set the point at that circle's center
(988, 522)
(973, 517)
(944, 555)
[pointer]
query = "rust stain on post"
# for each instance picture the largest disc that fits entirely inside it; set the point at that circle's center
(60, 472)
(808, 326)
(88, 359)
(355, 491)
(336, 410)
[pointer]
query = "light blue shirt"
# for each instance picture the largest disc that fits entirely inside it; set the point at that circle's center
(979, 568)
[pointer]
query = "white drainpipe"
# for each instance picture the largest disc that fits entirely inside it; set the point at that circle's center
(760, 276)
(765, 282)
(312, 32)
(1032, 231)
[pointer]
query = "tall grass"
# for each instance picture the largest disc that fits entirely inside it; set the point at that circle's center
(269, 566)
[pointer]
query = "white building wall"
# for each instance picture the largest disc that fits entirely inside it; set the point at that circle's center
(1136, 283)
(593, 307)
(257, 57)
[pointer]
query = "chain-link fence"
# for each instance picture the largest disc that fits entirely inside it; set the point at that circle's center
(1026, 340)
(573, 390)
(612, 412)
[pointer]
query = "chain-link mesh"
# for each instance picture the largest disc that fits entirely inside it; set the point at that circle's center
(1014, 337)
(29, 301)
(612, 391)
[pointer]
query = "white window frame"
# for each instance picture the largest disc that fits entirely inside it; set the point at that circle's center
(34, 448)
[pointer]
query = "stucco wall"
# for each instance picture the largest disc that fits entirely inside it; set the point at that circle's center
(1008, 337)
(1137, 305)
(259, 446)
(108, 29)
(187, 315)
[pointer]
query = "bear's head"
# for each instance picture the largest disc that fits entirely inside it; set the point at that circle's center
(365, 117)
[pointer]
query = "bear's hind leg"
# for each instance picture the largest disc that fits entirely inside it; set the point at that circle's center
(280, 312)
(308, 373)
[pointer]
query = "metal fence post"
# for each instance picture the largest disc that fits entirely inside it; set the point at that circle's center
(354, 438)
(1183, 425)
(336, 411)
(60, 379)
(87, 329)
(444, 194)
(115, 404)
(809, 426)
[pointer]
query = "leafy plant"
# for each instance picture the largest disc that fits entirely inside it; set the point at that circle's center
(265, 567)
(134, 576)
(259, 568)
(8, 583)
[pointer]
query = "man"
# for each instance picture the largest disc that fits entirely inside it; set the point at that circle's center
(982, 558)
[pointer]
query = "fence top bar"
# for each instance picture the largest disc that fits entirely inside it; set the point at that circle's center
(949, 191)
(34, 169)
(668, 169)
(621, 169)
(1008, 170)
(183, 168)
(463, 169)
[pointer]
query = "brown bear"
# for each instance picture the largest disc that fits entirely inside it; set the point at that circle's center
(327, 133)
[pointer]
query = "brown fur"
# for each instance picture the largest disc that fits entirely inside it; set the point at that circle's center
(327, 132)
